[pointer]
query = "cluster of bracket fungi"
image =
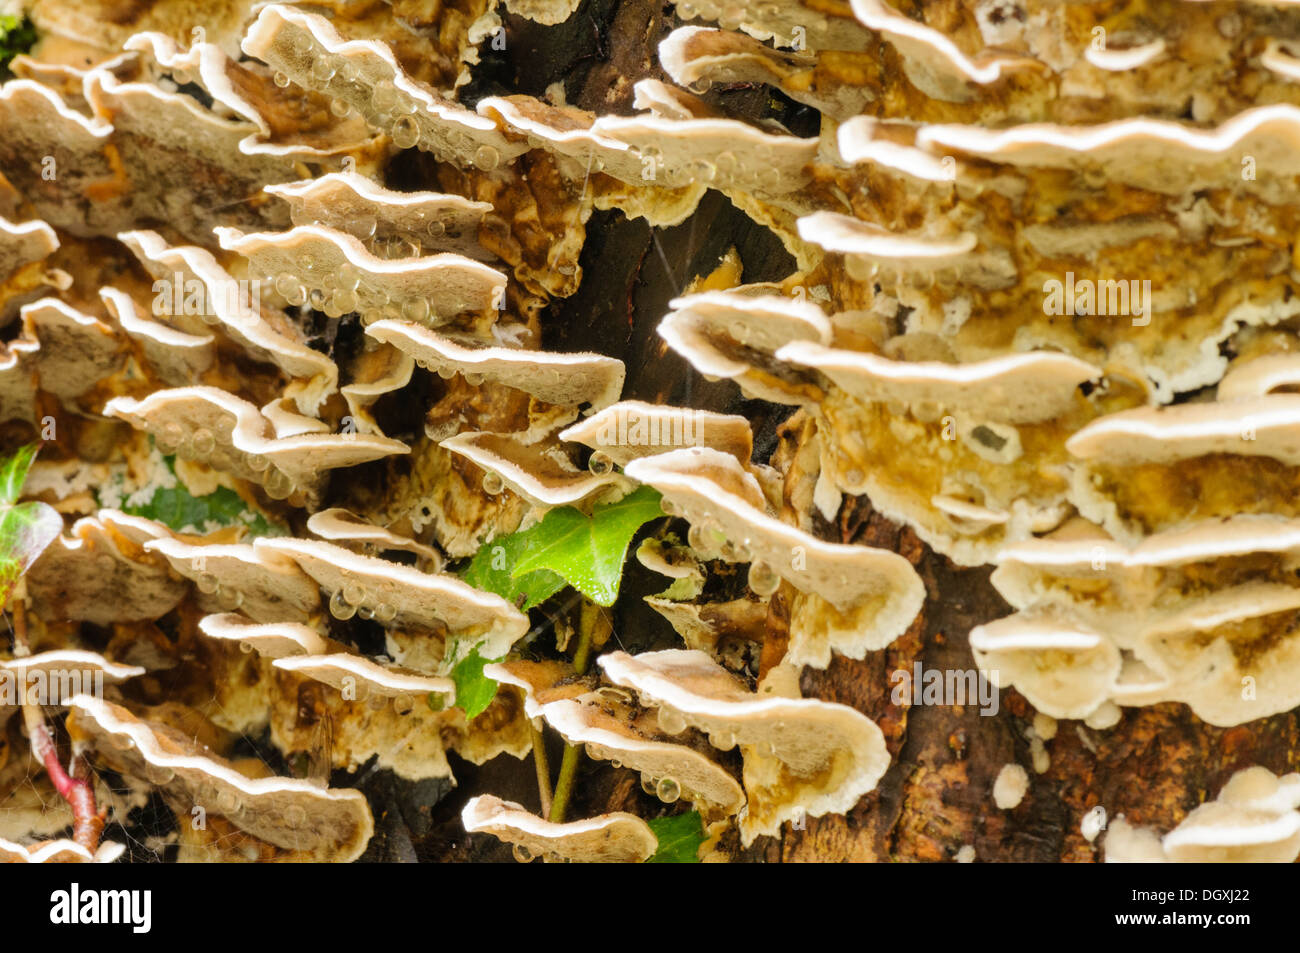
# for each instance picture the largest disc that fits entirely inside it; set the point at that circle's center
(1132, 473)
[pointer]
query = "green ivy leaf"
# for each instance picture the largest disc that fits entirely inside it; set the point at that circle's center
(182, 511)
(589, 551)
(474, 690)
(17, 35)
(13, 474)
(490, 570)
(679, 837)
(25, 528)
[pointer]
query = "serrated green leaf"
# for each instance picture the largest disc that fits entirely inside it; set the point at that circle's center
(589, 551)
(491, 567)
(679, 838)
(474, 690)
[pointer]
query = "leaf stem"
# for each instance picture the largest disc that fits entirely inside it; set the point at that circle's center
(87, 823)
(587, 617)
(542, 767)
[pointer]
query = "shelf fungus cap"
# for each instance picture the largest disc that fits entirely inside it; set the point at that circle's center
(306, 46)
(1162, 155)
(365, 678)
(875, 245)
(543, 476)
(856, 599)
(609, 838)
(101, 573)
(1259, 789)
(343, 526)
(1016, 389)
(177, 357)
(54, 676)
(1261, 426)
(319, 257)
(228, 304)
(1065, 669)
(273, 640)
(403, 596)
(632, 429)
(560, 379)
(212, 426)
(1227, 833)
(1211, 646)
(356, 204)
(802, 755)
(267, 587)
(611, 731)
(932, 61)
(58, 852)
(316, 823)
(734, 335)
(77, 351)
(1259, 376)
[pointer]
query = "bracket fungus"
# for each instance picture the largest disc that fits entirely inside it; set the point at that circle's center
(275, 810)
(802, 755)
(292, 294)
(852, 599)
(611, 838)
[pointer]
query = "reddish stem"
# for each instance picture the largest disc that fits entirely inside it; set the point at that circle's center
(87, 823)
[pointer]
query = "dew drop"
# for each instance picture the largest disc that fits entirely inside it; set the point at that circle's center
(522, 853)
(405, 132)
(671, 722)
(340, 608)
(281, 79)
(354, 593)
(207, 583)
(285, 284)
(668, 790)
(487, 158)
(256, 462)
(763, 580)
(669, 507)
(615, 763)
(158, 773)
(649, 784)
(600, 463)
(322, 70)
(245, 646)
(317, 299)
(416, 309)
(340, 108)
(385, 612)
(365, 612)
(343, 301)
(204, 442)
(492, 483)
(278, 485)
(472, 379)
(383, 96)
(170, 437)
(376, 701)
(403, 704)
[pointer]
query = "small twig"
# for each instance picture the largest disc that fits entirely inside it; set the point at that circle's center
(87, 823)
(22, 648)
(587, 616)
(542, 767)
